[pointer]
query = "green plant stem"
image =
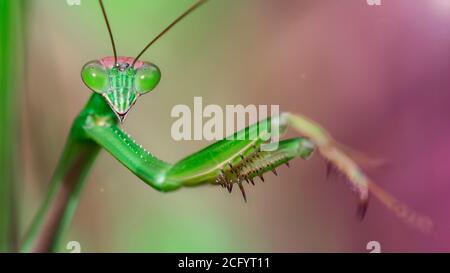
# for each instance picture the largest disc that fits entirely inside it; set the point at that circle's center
(10, 44)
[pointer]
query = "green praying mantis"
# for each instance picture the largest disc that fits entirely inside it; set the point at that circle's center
(117, 83)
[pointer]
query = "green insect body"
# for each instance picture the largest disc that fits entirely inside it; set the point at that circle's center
(117, 83)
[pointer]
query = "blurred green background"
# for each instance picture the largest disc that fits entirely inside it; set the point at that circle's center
(343, 63)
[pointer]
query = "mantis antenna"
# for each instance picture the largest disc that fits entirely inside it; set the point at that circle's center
(178, 19)
(109, 31)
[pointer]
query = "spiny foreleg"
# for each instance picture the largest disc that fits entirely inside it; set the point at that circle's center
(259, 162)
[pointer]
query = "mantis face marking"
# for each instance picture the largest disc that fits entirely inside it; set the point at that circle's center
(120, 83)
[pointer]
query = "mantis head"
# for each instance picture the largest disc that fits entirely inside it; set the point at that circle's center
(120, 82)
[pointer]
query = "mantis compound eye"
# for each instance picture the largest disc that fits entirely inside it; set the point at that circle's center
(95, 76)
(147, 78)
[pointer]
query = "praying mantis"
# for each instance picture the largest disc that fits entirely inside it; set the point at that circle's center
(117, 83)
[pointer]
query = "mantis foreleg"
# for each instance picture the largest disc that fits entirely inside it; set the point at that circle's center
(227, 162)
(224, 162)
(230, 162)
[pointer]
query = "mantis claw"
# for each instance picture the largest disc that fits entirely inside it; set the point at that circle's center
(362, 209)
(329, 169)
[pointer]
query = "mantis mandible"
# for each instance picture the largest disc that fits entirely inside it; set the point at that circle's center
(117, 83)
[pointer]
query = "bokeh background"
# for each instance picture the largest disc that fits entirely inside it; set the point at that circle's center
(377, 77)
